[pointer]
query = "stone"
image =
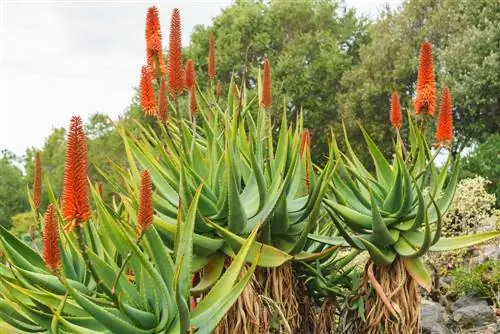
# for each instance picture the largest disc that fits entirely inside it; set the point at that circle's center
(472, 311)
(433, 318)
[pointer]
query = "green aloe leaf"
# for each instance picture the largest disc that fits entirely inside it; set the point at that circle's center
(108, 319)
(213, 271)
(217, 302)
(269, 256)
(452, 243)
(379, 255)
(416, 269)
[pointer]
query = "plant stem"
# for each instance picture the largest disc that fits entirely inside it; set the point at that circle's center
(124, 264)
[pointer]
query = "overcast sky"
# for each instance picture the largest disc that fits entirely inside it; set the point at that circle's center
(65, 58)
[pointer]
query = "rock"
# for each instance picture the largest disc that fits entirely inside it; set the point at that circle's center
(433, 318)
(472, 311)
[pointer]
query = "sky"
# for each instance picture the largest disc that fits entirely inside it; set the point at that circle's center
(64, 58)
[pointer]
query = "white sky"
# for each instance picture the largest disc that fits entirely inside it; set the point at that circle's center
(65, 58)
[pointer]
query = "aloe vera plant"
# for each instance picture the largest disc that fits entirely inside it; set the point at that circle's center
(395, 213)
(111, 273)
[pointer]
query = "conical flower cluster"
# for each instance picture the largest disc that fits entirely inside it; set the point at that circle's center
(37, 182)
(444, 131)
(148, 103)
(51, 254)
(76, 207)
(190, 74)
(266, 98)
(425, 101)
(175, 70)
(154, 50)
(145, 214)
(396, 115)
(211, 57)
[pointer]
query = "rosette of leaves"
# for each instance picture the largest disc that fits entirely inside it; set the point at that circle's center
(112, 281)
(249, 178)
(395, 214)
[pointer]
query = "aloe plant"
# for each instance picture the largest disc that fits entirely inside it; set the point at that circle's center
(111, 272)
(395, 213)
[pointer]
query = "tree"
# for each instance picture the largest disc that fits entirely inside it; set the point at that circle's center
(466, 51)
(485, 161)
(310, 44)
(12, 188)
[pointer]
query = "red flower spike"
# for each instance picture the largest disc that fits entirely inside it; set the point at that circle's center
(211, 57)
(175, 75)
(266, 86)
(163, 102)
(148, 103)
(426, 86)
(145, 214)
(444, 131)
(396, 116)
(37, 182)
(190, 74)
(192, 102)
(76, 207)
(51, 254)
(153, 31)
(153, 40)
(219, 88)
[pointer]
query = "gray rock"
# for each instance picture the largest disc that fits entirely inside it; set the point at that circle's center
(433, 318)
(472, 311)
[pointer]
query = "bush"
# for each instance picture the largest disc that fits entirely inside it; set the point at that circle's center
(485, 161)
(21, 223)
(472, 211)
(483, 280)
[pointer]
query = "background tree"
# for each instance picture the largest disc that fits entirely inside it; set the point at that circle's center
(310, 44)
(465, 37)
(12, 188)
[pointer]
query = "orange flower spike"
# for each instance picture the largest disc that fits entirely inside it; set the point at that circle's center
(175, 70)
(76, 207)
(396, 116)
(426, 86)
(51, 254)
(153, 31)
(145, 214)
(190, 74)
(444, 131)
(211, 57)
(266, 86)
(163, 102)
(153, 40)
(148, 103)
(37, 182)
(192, 102)
(219, 89)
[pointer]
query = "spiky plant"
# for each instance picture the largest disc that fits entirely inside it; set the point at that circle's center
(249, 177)
(395, 215)
(108, 271)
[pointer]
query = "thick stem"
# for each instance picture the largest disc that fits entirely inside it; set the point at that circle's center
(124, 264)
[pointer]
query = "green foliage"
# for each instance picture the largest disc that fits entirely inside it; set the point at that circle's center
(482, 280)
(472, 210)
(310, 44)
(484, 161)
(22, 222)
(464, 35)
(12, 189)
(397, 211)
